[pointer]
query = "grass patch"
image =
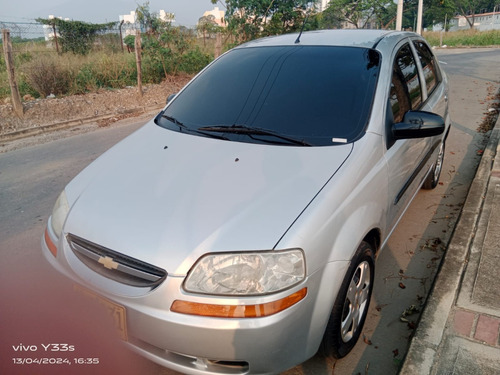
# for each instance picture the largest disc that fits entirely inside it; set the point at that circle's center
(40, 71)
(464, 38)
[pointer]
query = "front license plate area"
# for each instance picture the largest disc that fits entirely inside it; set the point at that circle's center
(116, 311)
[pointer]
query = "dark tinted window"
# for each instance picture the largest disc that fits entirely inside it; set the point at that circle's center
(428, 66)
(399, 98)
(314, 94)
(405, 84)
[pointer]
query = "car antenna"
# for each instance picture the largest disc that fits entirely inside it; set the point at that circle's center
(297, 41)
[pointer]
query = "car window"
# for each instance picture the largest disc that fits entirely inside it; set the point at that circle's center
(322, 95)
(405, 85)
(428, 65)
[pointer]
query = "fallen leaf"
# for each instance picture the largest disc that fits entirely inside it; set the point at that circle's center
(366, 340)
(402, 286)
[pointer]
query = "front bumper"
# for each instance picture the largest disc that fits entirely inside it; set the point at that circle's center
(205, 345)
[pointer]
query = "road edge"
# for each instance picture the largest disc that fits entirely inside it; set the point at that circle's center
(423, 351)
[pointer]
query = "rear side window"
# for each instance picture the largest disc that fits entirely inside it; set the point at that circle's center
(428, 66)
(405, 84)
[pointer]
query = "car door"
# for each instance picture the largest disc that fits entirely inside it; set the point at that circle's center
(434, 81)
(408, 160)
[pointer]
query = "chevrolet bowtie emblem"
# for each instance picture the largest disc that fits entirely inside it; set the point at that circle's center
(108, 262)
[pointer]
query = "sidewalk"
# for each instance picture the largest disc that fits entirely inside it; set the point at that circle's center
(459, 330)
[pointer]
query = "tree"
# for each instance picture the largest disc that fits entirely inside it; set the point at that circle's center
(151, 21)
(76, 36)
(330, 19)
(438, 11)
(129, 41)
(250, 19)
(469, 8)
(435, 11)
(359, 13)
(164, 44)
(207, 26)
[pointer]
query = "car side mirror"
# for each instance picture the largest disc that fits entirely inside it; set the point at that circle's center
(418, 124)
(170, 97)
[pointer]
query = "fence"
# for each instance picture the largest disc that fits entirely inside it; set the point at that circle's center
(44, 38)
(36, 54)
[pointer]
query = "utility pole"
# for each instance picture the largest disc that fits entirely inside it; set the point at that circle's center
(419, 17)
(399, 16)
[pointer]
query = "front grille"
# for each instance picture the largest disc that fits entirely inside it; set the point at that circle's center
(116, 266)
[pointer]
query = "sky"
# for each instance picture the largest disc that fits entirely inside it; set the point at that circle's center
(187, 12)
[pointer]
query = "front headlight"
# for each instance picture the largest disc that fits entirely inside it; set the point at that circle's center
(59, 213)
(246, 273)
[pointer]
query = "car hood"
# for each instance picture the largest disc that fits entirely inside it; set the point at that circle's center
(166, 198)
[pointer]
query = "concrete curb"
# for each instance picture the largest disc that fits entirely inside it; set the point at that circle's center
(30, 132)
(423, 350)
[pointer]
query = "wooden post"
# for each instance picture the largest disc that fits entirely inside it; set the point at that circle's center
(138, 60)
(121, 35)
(55, 35)
(218, 45)
(9, 61)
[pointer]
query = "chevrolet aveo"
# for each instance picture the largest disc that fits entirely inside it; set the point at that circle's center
(236, 232)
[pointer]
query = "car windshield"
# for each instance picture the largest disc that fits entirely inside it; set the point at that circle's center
(296, 95)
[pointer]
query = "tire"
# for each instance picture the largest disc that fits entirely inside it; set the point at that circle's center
(351, 305)
(432, 179)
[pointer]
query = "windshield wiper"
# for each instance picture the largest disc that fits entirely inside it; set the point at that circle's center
(175, 121)
(242, 129)
(183, 127)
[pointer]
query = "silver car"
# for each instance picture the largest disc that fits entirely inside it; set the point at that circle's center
(236, 232)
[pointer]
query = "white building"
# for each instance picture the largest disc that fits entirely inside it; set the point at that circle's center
(48, 31)
(218, 16)
(130, 24)
(128, 18)
(322, 5)
(167, 17)
(482, 22)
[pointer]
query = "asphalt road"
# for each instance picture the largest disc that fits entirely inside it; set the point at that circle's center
(38, 307)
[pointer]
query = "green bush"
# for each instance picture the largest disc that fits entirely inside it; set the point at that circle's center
(26, 89)
(152, 70)
(193, 61)
(105, 71)
(85, 80)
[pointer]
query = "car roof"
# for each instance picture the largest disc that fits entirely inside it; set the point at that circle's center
(344, 37)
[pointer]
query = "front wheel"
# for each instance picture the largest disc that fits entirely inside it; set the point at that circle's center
(351, 305)
(432, 179)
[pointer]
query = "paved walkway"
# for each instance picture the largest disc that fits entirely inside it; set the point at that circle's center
(459, 331)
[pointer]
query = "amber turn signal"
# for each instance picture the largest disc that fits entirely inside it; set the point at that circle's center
(52, 247)
(237, 311)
